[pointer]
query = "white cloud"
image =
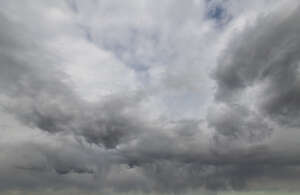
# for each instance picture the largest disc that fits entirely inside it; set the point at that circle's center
(142, 95)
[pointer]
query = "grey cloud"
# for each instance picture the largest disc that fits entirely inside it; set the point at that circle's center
(39, 97)
(114, 143)
(36, 166)
(237, 122)
(265, 54)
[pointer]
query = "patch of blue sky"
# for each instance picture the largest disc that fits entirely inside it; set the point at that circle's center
(216, 11)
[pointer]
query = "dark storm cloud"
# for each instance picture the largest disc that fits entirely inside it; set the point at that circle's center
(52, 160)
(264, 56)
(267, 54)
(237, 122)
(35, 165)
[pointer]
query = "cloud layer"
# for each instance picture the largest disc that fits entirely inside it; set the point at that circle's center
(114, 96)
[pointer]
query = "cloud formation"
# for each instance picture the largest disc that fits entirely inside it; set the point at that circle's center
(113, 96)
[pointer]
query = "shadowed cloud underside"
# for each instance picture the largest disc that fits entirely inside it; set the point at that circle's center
(117, 97)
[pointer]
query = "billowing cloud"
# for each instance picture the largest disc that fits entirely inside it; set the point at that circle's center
(176, 97)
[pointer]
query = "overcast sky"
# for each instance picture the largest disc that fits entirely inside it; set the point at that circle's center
(149, 97)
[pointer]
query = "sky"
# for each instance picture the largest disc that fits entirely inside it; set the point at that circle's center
(136, 97)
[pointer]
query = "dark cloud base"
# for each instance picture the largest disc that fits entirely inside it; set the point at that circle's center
(110, 144)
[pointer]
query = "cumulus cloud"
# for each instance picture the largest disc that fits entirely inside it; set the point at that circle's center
(175, 97)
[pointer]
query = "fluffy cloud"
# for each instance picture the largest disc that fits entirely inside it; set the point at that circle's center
(114, 96)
